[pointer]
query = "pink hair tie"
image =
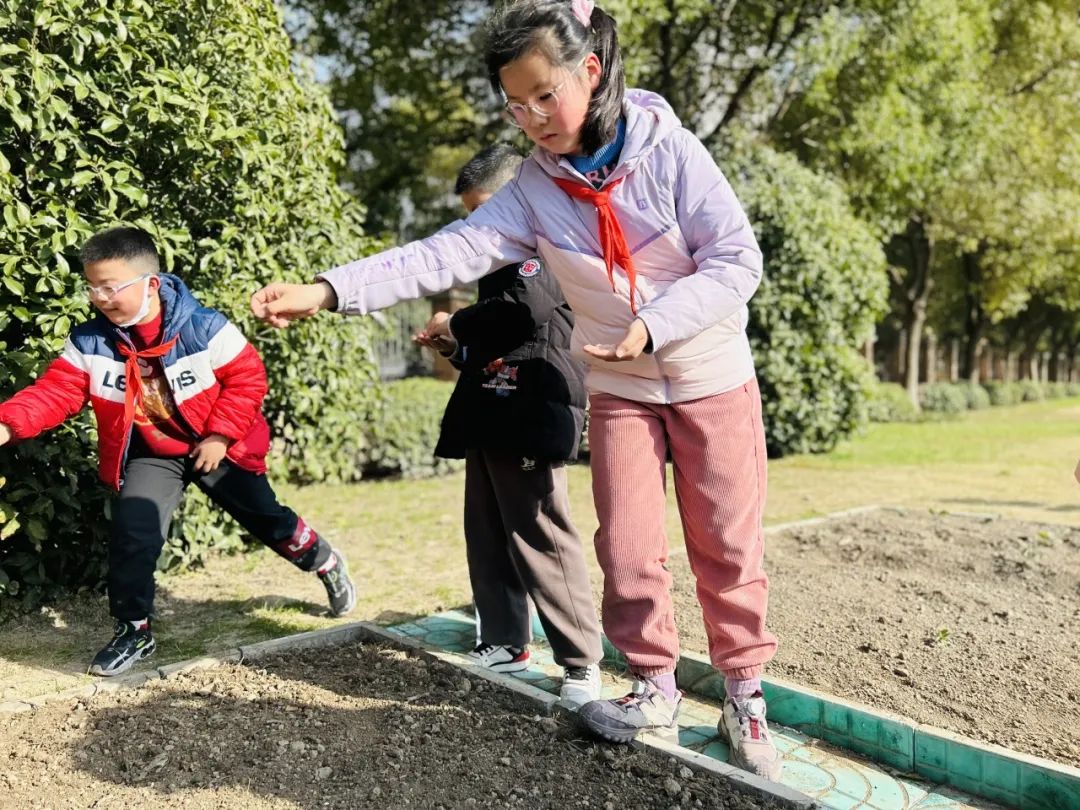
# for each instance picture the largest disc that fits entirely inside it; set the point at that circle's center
(583, 10)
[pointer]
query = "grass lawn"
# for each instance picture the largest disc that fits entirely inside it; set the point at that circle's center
(404, 540)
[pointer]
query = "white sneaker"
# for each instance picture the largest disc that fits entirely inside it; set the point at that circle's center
(743, 725)
(500, 657)
(579, 686)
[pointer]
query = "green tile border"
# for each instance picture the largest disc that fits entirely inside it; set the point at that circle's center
(987, 771)
(995, 773)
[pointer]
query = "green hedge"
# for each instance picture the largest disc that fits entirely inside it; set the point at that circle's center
(977, 397)
(1003, 393)
(1031, 391)
(1055, 390)
(188, 119)
(405, 428)
(823, 289)
(943, 398)
(889, 402)
(1012, 393)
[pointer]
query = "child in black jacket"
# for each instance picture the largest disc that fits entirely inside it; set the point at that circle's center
(516, 417)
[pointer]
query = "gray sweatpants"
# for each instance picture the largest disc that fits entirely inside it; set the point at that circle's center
(520, 541)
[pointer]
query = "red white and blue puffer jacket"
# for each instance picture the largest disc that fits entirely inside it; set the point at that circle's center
(217, 379)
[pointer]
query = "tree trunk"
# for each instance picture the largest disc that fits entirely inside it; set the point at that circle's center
(918, 297)
(983, 355)
(975, 320)
(1055, 367)
(931, 357)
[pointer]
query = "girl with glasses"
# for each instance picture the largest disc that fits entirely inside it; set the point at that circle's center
(658, 261)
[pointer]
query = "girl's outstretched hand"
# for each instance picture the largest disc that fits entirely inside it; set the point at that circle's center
(5, 436)
(279, 303)
(630, 348)
(1077, 473)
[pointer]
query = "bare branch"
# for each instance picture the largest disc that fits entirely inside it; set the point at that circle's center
(1039, 77)
(767, 58)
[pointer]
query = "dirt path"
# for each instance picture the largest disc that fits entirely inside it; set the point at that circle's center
(968, 624)
(359, 726)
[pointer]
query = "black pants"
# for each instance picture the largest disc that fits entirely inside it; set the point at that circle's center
(150, 494)
(521, 541)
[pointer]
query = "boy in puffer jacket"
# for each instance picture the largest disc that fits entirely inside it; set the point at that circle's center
(516, 416)
(177, 393)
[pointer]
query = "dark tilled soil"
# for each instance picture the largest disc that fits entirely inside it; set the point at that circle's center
(964, 623)
(357, 726)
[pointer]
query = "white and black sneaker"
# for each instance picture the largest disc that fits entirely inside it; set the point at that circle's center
(580, 685)
(340, 591)
(129, 645)
(500, 657)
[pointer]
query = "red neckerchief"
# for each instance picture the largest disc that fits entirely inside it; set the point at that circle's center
(612, 238)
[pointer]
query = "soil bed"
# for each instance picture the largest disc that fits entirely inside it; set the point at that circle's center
(356, 726)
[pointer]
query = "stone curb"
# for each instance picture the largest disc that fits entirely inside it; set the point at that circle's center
(326, 637)
(373, 632)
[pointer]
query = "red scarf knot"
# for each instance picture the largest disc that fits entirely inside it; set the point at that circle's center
(612, 238)
(132, 374)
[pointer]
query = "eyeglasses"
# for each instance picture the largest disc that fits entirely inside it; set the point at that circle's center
(108, 291)
(546, 105)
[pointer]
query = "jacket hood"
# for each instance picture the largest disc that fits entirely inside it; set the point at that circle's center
(649, 119)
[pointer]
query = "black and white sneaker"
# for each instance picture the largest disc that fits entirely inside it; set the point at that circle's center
(580, 685)
(500, 657)
(128, 646)
(340, 591)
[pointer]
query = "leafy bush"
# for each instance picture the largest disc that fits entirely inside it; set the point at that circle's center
(977, 397)
(187, 119)
(889, 402)
(1030, 391)
(824, 288)
(943, 398)
(1055, 390)
(1003, 393)
(405, 429)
